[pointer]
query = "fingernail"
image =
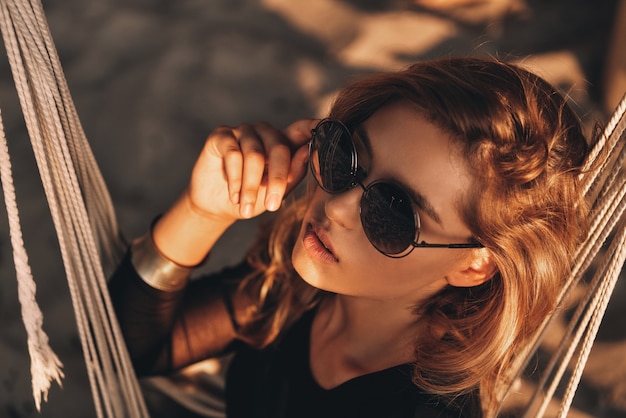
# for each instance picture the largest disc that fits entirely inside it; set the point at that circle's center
(247, 210)
(235, 198)
(273, 201)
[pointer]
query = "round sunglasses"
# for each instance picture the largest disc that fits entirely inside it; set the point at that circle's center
(388, 215)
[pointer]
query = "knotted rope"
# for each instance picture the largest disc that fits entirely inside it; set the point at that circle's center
(604, 184)
(82, 214)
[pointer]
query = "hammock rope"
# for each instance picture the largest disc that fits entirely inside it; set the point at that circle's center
(82, 214)
(45, 365)
(84, 220)
(605, 189)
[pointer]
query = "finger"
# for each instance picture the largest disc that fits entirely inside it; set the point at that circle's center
(298, 167)
(253, 154)
(278, 160)
(229, 149)
(299, 132)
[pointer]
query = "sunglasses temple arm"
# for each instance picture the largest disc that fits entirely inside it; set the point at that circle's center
(464, 245)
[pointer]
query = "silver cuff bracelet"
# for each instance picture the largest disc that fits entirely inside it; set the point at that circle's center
(155, 269)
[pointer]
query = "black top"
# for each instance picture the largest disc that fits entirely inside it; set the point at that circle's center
(277, 383)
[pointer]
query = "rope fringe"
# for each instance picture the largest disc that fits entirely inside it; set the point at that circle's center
(82, 213)
(45, 365)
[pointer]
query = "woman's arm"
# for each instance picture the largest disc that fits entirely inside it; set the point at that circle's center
(167, 330)
(240, 173)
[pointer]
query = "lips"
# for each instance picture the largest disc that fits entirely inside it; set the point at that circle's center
(317, 244)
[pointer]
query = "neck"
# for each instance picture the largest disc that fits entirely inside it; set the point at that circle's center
(367, 334)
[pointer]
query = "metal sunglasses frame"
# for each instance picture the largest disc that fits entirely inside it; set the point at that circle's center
(356, 182)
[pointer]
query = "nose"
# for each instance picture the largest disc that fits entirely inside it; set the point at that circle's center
(343, 208)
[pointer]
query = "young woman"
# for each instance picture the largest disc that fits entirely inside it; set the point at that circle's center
(432, 239)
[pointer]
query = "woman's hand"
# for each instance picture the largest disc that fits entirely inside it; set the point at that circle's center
(244, 171)
(240, 173)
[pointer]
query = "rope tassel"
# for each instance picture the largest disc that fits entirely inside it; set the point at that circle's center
(45, 366)
(82, 214)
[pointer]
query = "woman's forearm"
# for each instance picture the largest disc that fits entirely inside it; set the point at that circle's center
(156, 312)
(146, 316)
(167, 330)
(184, 235)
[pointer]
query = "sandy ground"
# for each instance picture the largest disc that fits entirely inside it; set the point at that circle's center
(152, 78)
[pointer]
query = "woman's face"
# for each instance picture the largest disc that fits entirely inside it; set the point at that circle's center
(332, 252)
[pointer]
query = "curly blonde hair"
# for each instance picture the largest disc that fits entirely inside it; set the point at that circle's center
(527, 149)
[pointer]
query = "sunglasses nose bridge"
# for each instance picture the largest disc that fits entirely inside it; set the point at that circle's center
(356, 182)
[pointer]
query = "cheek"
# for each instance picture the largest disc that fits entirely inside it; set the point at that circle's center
(395, 279)
(419, 268)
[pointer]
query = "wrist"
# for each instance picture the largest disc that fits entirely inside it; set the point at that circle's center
(201, 214)
(155, 269)
(184, 236)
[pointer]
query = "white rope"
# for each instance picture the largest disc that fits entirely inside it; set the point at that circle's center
(616, 256)
(584, 323)
(84, 219)
(605, 188)
(81, 211)
(604, 146)
(45, 365)
(607, 212)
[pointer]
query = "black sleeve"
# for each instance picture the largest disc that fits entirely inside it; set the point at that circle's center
(165, 331)
(146, 316)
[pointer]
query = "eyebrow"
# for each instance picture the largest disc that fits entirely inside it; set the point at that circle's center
(423, 204)
(419, 199)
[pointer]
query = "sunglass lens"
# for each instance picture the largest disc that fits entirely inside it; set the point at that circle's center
(333, 156)
(388, 218)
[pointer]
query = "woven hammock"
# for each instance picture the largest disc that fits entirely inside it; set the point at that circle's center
(88, 235)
